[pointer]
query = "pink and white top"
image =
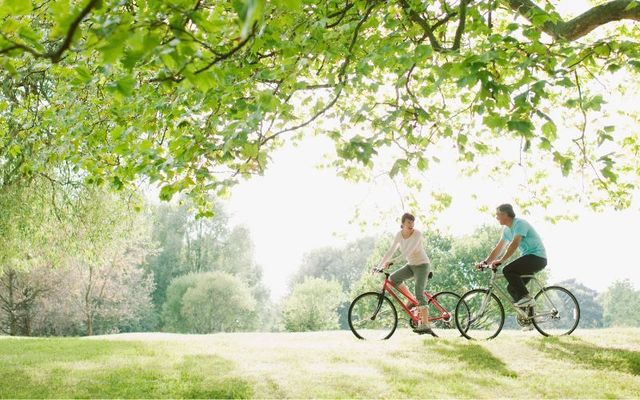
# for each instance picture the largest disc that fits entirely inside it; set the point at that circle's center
(410, 248)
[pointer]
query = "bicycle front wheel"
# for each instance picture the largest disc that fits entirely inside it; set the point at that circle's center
(479, 315)
(372, 316)
(441, 314)
(556, 311)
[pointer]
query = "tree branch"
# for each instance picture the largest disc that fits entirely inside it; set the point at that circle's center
(461, 25)
(341, 76)
(584, 23)
(56, 56)
(424, 24)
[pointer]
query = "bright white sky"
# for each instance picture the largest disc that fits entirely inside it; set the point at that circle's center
(296, 207)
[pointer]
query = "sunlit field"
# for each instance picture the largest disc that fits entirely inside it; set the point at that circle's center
(590, 363)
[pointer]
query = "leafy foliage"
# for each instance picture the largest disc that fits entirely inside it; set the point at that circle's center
(194, 94)
(312, 306)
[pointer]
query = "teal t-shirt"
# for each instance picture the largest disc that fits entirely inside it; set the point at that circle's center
(530, 242)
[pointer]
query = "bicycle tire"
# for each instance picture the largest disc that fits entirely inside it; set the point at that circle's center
(538, 324)
(381, 300)
(460, 313)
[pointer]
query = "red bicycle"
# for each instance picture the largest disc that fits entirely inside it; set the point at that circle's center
(372, 315)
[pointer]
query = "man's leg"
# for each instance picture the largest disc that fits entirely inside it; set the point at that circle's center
(537, 264)
(513, 272)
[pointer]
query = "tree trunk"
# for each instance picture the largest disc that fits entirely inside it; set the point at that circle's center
(89, 326)
(13, 321)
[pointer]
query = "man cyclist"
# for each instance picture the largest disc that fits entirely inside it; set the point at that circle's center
(517, 233)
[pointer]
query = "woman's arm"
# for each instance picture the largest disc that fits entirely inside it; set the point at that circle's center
(387, 256)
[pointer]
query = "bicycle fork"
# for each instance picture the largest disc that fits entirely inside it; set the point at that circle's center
(379, 306)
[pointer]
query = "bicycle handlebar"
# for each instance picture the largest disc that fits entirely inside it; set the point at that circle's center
(486, 265)
(381, 270)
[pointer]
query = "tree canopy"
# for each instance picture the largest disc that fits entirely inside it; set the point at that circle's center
(194, 94)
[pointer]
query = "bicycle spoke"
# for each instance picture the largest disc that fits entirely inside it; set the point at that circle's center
(443, 303)
(557, 311)
(372, 317)
(479, 316)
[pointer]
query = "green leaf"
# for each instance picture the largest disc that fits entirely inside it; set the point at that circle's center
(289, 5)
(126, 85)
(15, 150)
(494, 121)
(609, 174)
(17, 7)
(422, 164)
(462, 139)
(423, 51)
(167, 192)
(521, 126)
(83, 73)
(549, 130)
(249, 11)
(545, 144)
(399, 165)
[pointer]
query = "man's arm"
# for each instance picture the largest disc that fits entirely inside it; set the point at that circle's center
(511, 249)
(496, 251)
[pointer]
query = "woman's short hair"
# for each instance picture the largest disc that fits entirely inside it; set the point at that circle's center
(507, 209)
(407, 216)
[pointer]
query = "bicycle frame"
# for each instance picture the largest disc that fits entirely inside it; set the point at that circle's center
(388, 286)
(521, 312)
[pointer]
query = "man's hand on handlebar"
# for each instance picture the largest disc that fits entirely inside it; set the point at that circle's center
(484, 264)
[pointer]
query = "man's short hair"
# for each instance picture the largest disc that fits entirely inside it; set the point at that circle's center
(507, 209)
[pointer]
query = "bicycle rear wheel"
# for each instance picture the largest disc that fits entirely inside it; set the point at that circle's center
(479, 316)
(556, 311)
(372, 316)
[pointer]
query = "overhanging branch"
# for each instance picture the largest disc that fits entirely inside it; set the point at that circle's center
(584, 23)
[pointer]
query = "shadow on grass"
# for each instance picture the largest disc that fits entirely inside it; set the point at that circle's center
(473, 355)
(449, 369)
(63, 368)
(575, 350)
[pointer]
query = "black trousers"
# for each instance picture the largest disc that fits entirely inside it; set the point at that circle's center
(525, 265)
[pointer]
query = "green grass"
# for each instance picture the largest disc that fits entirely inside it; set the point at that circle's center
(78, 368)
(589, 364)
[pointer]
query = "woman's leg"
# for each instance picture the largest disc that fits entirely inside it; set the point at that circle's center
(399, 276)
(421, 272)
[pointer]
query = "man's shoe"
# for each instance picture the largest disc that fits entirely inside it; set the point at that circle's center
(526, 301)
(527, 328)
